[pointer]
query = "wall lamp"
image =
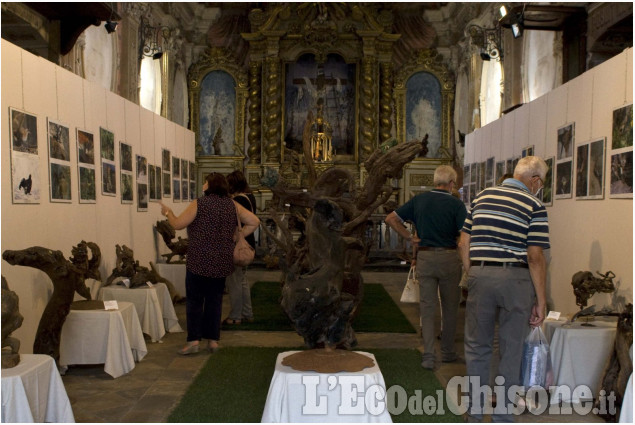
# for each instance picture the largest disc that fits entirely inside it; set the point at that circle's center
(513, 20)
(150, 36)
(489, 40)
(111, 25)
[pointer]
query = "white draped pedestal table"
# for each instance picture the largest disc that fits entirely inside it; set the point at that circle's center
(579, 356)
(33, 391)
(111, 337)
(321, 395)
(153, 304)
(175, 273)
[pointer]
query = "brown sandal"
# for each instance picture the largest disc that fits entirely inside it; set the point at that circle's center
(231, 322)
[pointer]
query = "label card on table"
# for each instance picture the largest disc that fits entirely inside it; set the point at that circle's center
(553, 315)
(111, 305)
(149, 284)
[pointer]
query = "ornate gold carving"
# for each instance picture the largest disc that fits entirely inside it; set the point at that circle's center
(273, 110)
(255, 121)
(368, 120)
(421, 180)
(213, 59)
(385, 102)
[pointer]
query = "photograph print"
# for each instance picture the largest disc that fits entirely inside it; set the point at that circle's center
(157, 182)
(581, 171)
(85, 147)
(185, 185)
(165, 159)
(59, 143)
(176, 185)
(142, 169)
(127, 188)
(527, 151)
(565, 141)
(60, 182)
(142, 197)
(596, 169)
(25, 178)
(167, 188)
(107, 144)
(500, 170)
(184, 165)
(176, 167)
(152, 183)
(23, 131)
(108, 179)
(125, 156)
(621, 182)
(547, 190)
(563, 179)
(192, 190)
(192, 172)
(87, 189)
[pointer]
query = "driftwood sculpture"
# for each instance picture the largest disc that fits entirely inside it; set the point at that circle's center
(138, 275)
(585, 285)
(178, 247)
(11, 320)
(68, 277)
(323, 286)
(620, 366)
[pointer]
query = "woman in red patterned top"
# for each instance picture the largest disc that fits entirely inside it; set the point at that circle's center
(211, 222)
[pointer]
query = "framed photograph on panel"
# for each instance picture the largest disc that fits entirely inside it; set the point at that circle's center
(127, 188)
(157, 182)
(59, 143)
(589, 170)
(192, 190)
(466, 174)
(621, 181)
(500, 170)
(489, 169)
(85, 147)
(142, 169)
(514, 163)
(474, 172)
(581, 170)
(184, 169)
(192, 171)
(563, 179)
(142, 197)
(509, 166)
(481, 176)
(125, 156)
(176, 185)
(176, 179)
(527, 151)
(108, 178)
(107, 143)
(176, 167)
(25, 164)
(87, 185)
(167, 188)
(23, 131)
(60, 182)
(165, 159)
(185, 186)
(566, 139)
(152, 183)
(547, 189)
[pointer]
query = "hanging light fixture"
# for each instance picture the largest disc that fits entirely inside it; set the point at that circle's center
(150, 46)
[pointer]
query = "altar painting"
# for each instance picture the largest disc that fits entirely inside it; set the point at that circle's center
(217, 114)
(423, 111)
(331, 85)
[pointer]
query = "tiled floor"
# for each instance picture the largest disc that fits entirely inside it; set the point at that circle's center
(150, 391)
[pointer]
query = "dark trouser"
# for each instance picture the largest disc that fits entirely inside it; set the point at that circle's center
(511, 291)
(203, 306)
(439, 273)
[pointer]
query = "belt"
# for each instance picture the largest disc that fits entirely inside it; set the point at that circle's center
(436, 248)
(498, 264)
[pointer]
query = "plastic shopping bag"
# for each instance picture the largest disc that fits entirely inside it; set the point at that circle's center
(536, 362)
(410, 292)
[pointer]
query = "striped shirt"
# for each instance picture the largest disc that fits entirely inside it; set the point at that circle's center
(503, 221)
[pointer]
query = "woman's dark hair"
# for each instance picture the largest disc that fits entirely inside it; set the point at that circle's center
(216, 184)
(237, 182)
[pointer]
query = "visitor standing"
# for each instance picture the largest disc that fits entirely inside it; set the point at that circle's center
(501, 247)
(438, 217)
(238, 288)
(211, 223)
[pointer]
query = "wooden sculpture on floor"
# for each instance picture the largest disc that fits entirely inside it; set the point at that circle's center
(11, 320)
(178, 247)
(138, 275)
(68, 277)
(323, 284)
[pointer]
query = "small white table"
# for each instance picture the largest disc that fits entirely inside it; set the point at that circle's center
(288, 395)
(34, 392)
(175, 273)
(112, 337)
(579, 355)
(153, 305)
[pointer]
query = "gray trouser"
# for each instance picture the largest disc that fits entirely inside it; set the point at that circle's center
(511, 292)
(239, 295)
(439, 273)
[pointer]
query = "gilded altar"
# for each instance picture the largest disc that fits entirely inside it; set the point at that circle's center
(326, 68)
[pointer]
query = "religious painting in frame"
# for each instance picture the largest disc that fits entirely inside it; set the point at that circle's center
(566, 140)
(326, 89)
(217, 112)
(176, 179)
(547, 189)
(621, 180)
(564, 173)
(85, 147)
(25, 165)
(60, 182)
(87, 185)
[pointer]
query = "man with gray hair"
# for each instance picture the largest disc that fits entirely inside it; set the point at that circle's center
(438, 217)
(502, 243)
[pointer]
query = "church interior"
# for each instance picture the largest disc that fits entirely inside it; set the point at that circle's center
(111, 108)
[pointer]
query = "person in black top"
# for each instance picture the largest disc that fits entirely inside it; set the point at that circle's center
(237, 286)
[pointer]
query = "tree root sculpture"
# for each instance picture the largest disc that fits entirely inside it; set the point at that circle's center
(178, 247)
(11, 320)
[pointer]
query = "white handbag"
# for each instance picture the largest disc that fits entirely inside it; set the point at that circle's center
(410, 292)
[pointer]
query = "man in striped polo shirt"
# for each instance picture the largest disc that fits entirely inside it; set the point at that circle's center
(501, 247)
(438, 218)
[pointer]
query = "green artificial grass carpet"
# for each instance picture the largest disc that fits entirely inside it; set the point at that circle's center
(377, 311)
(233, 385)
